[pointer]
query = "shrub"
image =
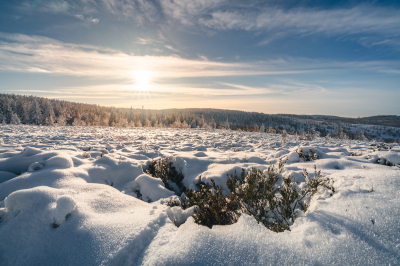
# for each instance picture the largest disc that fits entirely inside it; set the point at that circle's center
(256, 194)
(172, 202)
(307, 156)
(163, 169)
(212, 206)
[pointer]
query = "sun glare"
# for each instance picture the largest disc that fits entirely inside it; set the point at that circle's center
(142, 79)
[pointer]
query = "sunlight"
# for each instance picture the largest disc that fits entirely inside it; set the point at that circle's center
(143, 79)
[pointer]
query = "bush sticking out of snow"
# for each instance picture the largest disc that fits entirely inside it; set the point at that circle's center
(163, 168)
(388, 158)
(307, 155)
(213, 207)
(173, 201)
(64, 207)
(256, 194)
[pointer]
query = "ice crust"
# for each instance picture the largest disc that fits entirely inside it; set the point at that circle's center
(67, 197)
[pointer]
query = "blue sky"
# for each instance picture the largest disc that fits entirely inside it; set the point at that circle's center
(301, 57)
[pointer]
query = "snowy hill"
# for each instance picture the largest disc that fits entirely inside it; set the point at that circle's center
(69, 197)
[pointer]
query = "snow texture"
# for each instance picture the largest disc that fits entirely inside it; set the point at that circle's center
(68, 196)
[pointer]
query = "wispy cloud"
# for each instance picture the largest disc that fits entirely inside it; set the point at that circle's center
(170, 47)
(87, 19)
(360, 20)
(60, 6)
(36, 54)
(288, 87)
(356, 20)
(187, 11)
(24, 53)
(372, 25)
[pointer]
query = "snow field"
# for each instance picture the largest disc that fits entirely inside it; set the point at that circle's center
(68, 198)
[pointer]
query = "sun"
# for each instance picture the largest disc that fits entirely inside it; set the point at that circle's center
(142, 79)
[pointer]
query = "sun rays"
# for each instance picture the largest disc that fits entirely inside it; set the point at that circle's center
(143, 80)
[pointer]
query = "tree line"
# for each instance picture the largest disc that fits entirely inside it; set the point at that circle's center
(31, 110)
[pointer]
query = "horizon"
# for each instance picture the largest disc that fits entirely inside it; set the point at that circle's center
(161, 109)
(273, 57)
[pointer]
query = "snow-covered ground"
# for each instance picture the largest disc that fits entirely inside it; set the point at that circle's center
(67, 198)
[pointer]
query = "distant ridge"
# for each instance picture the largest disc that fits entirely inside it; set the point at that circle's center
(18, 109)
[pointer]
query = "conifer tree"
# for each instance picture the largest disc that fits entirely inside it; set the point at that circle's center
(35, 113)
(15, 119)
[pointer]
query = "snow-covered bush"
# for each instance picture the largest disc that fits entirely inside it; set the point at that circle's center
(270, 198)
(163, 168)
(307, 156)
(213, 207)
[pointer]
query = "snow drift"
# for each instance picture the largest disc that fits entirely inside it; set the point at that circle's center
(68, 197)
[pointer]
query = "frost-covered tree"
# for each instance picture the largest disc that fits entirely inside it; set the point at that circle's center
(177, 123)
(61, 120)
(15, 119)
(227, 124)
(339, 131)
(35, 113)
(262, 128)
(7, 110)
(112, 121)
(48, 113)
(360, 135)
(131, 117)
(184, 124)
(122, 122)
(284, 134)
(271, 130)
(147, 123)
(78, 122)
(22, 111)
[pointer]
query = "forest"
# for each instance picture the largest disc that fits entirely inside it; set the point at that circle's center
(31, 110)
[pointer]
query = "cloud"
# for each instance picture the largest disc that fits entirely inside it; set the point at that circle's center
(37, 54)
(46, 6)
(187, 10)
(288, 88)
(361, 20)
(370, 25)
(170, 47)
(25, 53)
(87, 19)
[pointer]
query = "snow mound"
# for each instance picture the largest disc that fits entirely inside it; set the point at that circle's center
(65, 205)
(59, 162)
(35, 166)
(5, 176)
(219, 173)
(151, 188)
(113, 171)
(385, 157)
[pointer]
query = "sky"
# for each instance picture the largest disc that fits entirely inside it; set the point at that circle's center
(277, 56)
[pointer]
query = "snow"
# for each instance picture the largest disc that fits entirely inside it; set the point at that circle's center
(152, 189)
(68, 195)
(65, 205)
